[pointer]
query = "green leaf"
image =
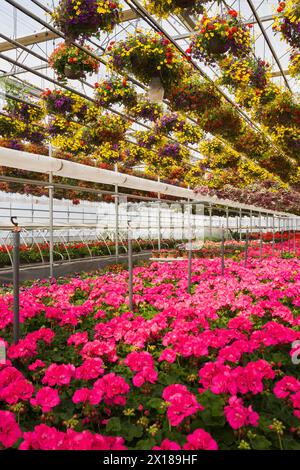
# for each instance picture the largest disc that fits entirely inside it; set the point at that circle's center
(132, 431)
(145, 444)
(113, 426)
(260, 443)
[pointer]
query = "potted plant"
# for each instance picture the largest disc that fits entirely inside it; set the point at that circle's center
(115, 90)
(147, 55)
(11, 127)
(245, 72)
(282, 110)
(287, 23)
(194, 94)
(144, 109)
(294, 66)
(164, 8)
(224, 121)
(84, 18)
(220, 35)
(107, 128)
(73, 63)
(27, 112)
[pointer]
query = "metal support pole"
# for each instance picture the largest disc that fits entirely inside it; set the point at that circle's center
(16, 280)
(222, 252)
(289, 236)
(227, 221)
(210, 221)
(116, 219)
(281, 236)
(159, 220)
(294, 225)
(260, 238)
(189, 250)
(51, 244)
(240, 223)
(130, 268)
(251, 221)
(246, 247)
(273, 236)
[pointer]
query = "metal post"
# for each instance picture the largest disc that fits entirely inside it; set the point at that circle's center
(189, 250)
(222, 253)
(251, 221)
(294, 226)
(281, 235)
(16, 279)
(273, 237)
(246, 247)
(51, 244)
(210, 221)
(159, 220)
(289, 236)
(130, 268)
(227, 221)
(116, 219)
(240, 223)
(260, 237)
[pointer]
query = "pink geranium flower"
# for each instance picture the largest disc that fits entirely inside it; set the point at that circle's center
(200, 440)
(59, 374)
(47, 398)
(10, 431)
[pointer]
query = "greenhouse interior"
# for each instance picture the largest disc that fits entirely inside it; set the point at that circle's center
(150, 226)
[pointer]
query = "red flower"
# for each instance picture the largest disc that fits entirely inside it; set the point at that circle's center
(233, 13)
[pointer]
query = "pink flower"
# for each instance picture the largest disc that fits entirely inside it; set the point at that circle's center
(168, 355)
(82, 395)
(90, 369)
(36, 365)
(9, 429)
(78, 338)
(47, 398)
(59, 374)
(200, 440)
(181, 403)
(43, 438)
(238, 415)
(286, 386)
(167, 445)
(113, 388)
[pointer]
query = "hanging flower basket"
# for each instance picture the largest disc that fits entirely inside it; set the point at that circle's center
(115, 90)
(294, 66)
(71, 62)
(145, 110)
(223, 121)
(287, 22)
(11, 127)
(193, 94)
(245, 72)
(84, 18)
(147, 55)
(163, 8)
(219, 35)
(107, 128)
(24, 111)
(283, 110)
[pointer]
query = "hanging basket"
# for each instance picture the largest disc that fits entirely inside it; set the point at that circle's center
(185, 3)
(156, 90)
(73, 74)
(216, 46)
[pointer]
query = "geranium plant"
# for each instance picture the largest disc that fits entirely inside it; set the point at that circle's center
(287, 22)
(218, 36)
(84, 18)
(73, 63)
(163, 8)
(147, 55)
(115, 90)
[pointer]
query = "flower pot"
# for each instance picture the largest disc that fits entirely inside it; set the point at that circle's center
(156, 90)
(73, 74)
(185, 3)
(216, 46)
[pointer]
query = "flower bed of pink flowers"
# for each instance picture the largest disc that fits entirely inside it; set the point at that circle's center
(212, 370)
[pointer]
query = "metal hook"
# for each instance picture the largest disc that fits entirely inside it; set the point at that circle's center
(14, 222)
